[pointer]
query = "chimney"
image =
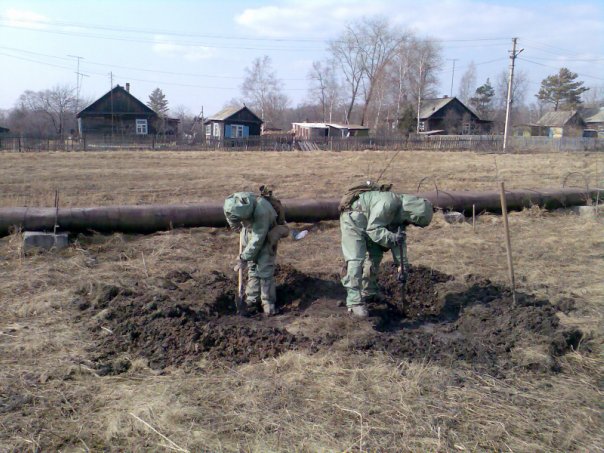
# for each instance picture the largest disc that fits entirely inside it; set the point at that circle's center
(128, 87)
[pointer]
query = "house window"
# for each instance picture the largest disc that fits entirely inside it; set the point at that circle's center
(422, 126)
(141, 127)
(208, 129)
(216, 130)
(466, 129)
(236, 130)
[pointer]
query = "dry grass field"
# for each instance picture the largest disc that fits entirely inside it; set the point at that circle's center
(70, 380)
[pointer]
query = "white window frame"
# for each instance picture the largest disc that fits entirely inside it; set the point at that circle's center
(142, 128)
(422, 126)
(236, 131)
(216, 130)
(208, 129)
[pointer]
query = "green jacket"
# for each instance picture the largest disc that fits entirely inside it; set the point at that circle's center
(256, 214)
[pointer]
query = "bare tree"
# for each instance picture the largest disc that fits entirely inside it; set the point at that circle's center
(49, 111)
(362, 52)
(467, 84)
(324, 88)
(519, 90)
(262, 90)
(347, 55)
(378, 43)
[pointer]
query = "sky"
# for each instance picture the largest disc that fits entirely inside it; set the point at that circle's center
(197, 51)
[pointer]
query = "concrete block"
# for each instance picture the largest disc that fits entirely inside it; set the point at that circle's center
(34, 240)
(454, 217)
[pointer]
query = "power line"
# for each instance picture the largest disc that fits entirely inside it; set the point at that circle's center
(557, 67)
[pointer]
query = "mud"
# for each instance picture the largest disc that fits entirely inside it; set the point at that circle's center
(183, 317)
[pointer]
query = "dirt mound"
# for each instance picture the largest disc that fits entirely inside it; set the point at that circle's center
(177, 319)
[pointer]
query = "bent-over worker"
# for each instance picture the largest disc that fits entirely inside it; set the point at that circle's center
(260, 230)
(373, 220)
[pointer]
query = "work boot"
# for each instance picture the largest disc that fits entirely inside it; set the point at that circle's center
(269, 309)
(360, 311)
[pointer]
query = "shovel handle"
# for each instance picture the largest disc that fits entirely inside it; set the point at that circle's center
(240, 274)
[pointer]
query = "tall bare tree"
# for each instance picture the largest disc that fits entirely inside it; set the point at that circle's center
(52, 109)
(262, 90)
(323, 88)
(467, 84)
(347, 55)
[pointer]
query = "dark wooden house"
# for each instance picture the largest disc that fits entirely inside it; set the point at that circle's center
(233, 122)
(450, 116)
(559, 124)
(119, 113)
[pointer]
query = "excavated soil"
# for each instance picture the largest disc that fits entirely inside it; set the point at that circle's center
(184, 317)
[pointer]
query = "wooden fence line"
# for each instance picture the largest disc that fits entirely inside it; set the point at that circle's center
(485, 143)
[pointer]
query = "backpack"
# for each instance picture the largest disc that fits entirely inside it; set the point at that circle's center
(267, 194)
(353, 193)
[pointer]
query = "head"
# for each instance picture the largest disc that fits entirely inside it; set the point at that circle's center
(238, 208)
(415, 211)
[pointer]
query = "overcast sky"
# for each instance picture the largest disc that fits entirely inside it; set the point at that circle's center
(196, 51)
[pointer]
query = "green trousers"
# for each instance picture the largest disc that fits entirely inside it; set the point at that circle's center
(362, 256)
(260, 286)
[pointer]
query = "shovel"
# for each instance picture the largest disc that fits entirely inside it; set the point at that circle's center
(402, 274)
(240, 304)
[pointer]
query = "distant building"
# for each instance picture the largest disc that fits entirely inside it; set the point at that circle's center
(559, 124)
(310, 131)
(594, 120)
(233, 122)
(4, 130)
(450, 116)
(119, 113)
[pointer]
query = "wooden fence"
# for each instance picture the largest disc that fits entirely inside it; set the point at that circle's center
(479, 143)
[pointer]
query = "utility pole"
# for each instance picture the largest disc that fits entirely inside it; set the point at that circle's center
(453, 74)
(513, 56)
(78, 74)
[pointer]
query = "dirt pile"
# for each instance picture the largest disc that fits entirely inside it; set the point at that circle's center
(178, 319)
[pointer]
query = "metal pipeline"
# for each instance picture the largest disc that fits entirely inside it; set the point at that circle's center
(151, 218)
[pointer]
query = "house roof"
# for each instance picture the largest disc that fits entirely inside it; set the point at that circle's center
(593, 114)
(227, 112)
(334, 125)
(556, 119)
(429, 107)
(99, 106)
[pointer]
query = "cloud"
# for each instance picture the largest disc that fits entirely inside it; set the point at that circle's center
(25, 19)
(167, 47)
(306, 17)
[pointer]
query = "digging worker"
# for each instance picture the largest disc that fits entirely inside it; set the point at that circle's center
(373, 220)
(261, 222)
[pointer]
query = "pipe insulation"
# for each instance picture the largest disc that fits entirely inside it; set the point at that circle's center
(151, 218)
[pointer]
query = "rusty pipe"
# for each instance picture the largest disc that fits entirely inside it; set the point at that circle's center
(151, 218)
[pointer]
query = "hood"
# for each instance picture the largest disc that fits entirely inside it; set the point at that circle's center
(239, 206)
(416, 211)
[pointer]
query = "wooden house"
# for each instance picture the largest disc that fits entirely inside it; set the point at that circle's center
(310, 131)
(450, 116)
(233, 122)
(559, 124)
(594, 121)
(119, 113)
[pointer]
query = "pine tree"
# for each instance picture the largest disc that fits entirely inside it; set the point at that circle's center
(483, 99)
(158, 102)
(561, 90)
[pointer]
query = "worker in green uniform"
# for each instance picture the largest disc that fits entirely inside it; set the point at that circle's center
(256, 219)
(372, 222)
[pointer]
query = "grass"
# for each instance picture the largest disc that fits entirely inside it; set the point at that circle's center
(51, 399)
